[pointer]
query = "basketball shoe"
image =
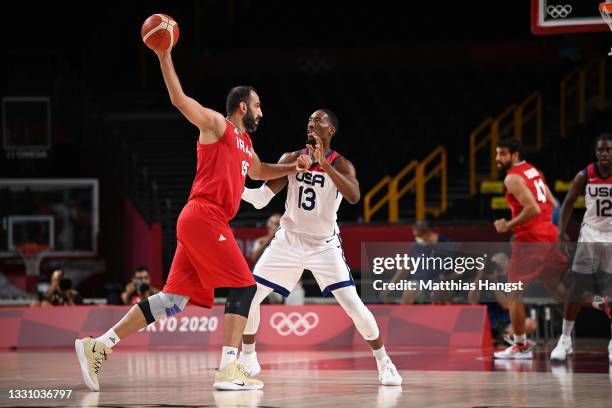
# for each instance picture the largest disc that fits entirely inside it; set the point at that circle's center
(387, 373)
(235, 377)
(516, 352)
(91, 353)
(562, 349)
(249, 360)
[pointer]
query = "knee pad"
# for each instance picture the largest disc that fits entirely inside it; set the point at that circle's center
(359, 313)
(162, 305)
(239, 300)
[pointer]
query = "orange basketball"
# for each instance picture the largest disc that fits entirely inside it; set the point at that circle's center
(160, 32)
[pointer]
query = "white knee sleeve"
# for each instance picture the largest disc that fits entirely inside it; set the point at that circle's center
(361, 315)
(166, 304)
(253, 320)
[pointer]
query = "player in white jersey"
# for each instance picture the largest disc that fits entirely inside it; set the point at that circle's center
(594, 248)
(308, 238)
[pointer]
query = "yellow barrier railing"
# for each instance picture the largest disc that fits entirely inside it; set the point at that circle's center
(396, 193)
(475, 146)
(511, 122)
(368, 208)
(499, 130)
(576, 82)
(418, 181)
(530, 108)
(424, 176)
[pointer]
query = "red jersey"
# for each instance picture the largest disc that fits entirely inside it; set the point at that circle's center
(535, 182)
(222, 169)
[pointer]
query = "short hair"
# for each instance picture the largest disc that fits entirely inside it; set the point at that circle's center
(603, 137)
(236, 95)
(512, 144)
(332, 118)
(141, 268)
(422, 225)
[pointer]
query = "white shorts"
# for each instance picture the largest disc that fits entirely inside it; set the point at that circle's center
(282, 263)
(593, 251)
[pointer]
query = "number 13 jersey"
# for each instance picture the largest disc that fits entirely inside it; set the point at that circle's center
(598, 200)
(312, 201)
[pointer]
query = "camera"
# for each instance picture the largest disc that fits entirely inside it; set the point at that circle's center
(65, 284)
(141, 287)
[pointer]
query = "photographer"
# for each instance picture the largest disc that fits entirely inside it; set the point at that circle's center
(139, 287)
(60, 292)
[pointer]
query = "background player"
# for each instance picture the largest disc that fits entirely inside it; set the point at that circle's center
(594, 249)
(308, 238)
(531, 203)
(207, 255)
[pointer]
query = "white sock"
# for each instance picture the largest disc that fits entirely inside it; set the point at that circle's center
(520, 338)
(110, 338)
(380, 354)
(248, 348)
(228, 354)
(568, 326)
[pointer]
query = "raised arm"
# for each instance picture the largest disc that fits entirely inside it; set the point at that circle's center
(210, 123)
(342, 173)
(567, 207)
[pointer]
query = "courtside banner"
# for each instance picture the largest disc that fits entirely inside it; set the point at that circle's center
(311, 326)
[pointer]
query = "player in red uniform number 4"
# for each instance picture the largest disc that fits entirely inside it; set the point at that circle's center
(207, 255)
(533, 255)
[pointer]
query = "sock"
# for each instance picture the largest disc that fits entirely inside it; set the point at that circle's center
(228, 354)
(380, 354)
(248, 348)
(520, 338)
(568, 326)
(110, 338)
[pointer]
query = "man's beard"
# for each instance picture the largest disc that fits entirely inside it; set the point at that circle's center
(249, 122)
(504, 167)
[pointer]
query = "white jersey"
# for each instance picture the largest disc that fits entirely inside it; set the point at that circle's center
(312, 202)
(598, 201)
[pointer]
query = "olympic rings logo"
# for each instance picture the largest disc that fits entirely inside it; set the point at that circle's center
(559, 11)
(294, 323)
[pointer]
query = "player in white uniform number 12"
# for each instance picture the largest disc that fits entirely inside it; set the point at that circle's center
(594, 248)
(308, 238)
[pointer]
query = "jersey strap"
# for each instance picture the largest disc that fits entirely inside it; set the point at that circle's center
(330, 156)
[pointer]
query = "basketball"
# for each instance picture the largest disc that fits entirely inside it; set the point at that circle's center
(160, 32)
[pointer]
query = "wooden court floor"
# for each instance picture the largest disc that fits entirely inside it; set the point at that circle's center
(334, 378)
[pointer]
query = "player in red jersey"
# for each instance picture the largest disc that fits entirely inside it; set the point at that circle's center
(531, 203)
(207, 255)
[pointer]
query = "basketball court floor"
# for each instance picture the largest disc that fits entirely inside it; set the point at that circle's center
(331, 378)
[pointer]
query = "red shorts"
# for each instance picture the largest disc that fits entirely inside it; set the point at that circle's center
(535, 254)
(207, 255)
